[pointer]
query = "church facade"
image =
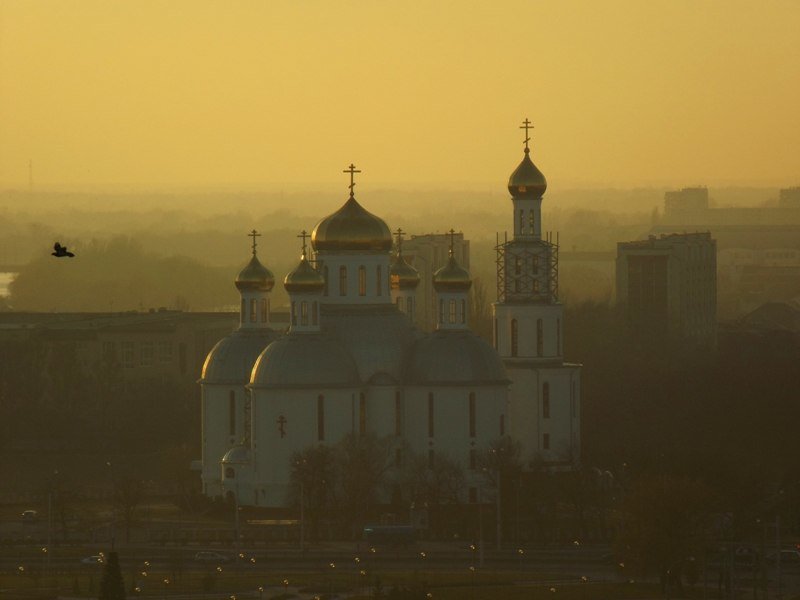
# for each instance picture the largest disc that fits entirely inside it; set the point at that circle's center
(352, 362)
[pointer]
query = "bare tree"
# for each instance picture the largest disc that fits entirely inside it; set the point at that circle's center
(312, 481)
(128, 496)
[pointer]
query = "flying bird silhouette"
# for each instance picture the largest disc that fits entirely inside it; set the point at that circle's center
(61, 251)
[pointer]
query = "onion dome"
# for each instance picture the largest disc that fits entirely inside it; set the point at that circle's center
(255, 277)
(403, 275)
(231, 360)
(304, 278)
(351, 229)
(527, 181)
(305, 361)
(239, 454)
(452, 277)
(454, 358)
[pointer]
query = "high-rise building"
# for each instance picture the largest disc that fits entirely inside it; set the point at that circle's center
(668, 286)
(544, 401)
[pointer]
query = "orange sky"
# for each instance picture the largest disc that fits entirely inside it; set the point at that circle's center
(194, 93)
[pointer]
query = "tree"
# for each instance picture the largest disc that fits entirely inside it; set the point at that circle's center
(128, 496)
(312, 481)
(112, 585)
(436, 484)
(501, 464)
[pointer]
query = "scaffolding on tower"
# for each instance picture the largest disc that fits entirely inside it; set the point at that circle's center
(521, 284)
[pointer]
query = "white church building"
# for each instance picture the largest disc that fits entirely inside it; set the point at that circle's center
(352, 362)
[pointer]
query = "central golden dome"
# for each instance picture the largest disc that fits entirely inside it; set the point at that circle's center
(351, 229)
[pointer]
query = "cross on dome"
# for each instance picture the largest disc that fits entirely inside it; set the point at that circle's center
(304, 234)
(526, 125)
(399, 235)
(254, 234)
(452, 234)
(352, 170)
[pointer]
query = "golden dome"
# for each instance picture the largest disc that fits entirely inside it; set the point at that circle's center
(452, 277)
(351, 229)
(527, 181)
(403, 275)
(255, 277)
(304, 278)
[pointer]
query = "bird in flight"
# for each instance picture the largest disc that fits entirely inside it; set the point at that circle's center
(61, 251)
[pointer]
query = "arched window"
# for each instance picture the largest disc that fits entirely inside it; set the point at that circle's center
(531, 222)
(545, 400)
(362, 280)
(320, 417)
(264, 312)
(441, 311)
(379, 280)
(463, 312)
(539, 337)
(535, 286)
(522, 222)
(410, 308)
(535, 265)
(229, 473)
(514, 337)
(304, 313)
(472, 414)
(325, 276)
(231, 413)
(362, 414)
(315, 313)
(517, 265)
(253, 312)
(399, 303)
(452, 311)
(293, 310)
(342, 281)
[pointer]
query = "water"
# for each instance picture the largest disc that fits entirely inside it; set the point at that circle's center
(5, 279)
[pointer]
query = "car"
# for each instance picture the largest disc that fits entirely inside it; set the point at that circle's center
(30, 516)
(211, 557)
(97, 559)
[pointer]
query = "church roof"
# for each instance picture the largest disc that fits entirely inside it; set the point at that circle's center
(231, 359)
(305, 360)
(239, 454)
(351, 229)
(255, 276)
(454, 357)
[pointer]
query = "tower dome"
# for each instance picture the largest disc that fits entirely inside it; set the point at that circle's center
(304, 278)
(255, 276)
(403, 275)
(452, 277)
(527, 181)
(351, 228)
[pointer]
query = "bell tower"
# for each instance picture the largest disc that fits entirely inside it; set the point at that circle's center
(528, 327)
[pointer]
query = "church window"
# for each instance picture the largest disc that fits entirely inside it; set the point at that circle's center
(146, 353)
(430, 414)
(531, 222)
(342, 281)
(473, 459)
(502, 424)
(325, 276)
(398, 414)
(441, 311)
(452, 311)
(558, 336)
(431, 458)
(243, 315)
(545, 400)
(399, 303)
(535, 286)
(315, 313)
(535, 265)
(362, 414)
(264, 311)
(253, 313)
(230, 473)
(304, 313)
(517, 266)
(362, 280)
(472, 414)
(232, 413)
(410, 308)
(379, 280)
(293, 310)
(320, 417)
(545, 441)
(539, 337)
(514, 337)
(126, 349)
(463, 312)
(522, 221)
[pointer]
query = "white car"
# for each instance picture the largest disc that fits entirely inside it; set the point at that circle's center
(97, 559)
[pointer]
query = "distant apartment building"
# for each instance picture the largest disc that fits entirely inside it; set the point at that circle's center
(427, 253)
(789, 197)
(668, 286)
(687, 200)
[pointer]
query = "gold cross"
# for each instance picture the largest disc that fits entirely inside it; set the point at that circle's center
(352, 170)
(399, 235)
(452, 234)
(304, 234)
(254, 234)
(526, 125)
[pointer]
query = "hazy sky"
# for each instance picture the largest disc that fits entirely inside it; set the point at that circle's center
(269, 93)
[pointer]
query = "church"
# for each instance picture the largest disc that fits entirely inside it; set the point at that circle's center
(352, 362)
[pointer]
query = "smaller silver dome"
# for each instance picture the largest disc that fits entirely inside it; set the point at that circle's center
(239, 454)
(231, 360)
(454, 357)
(305, 360)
